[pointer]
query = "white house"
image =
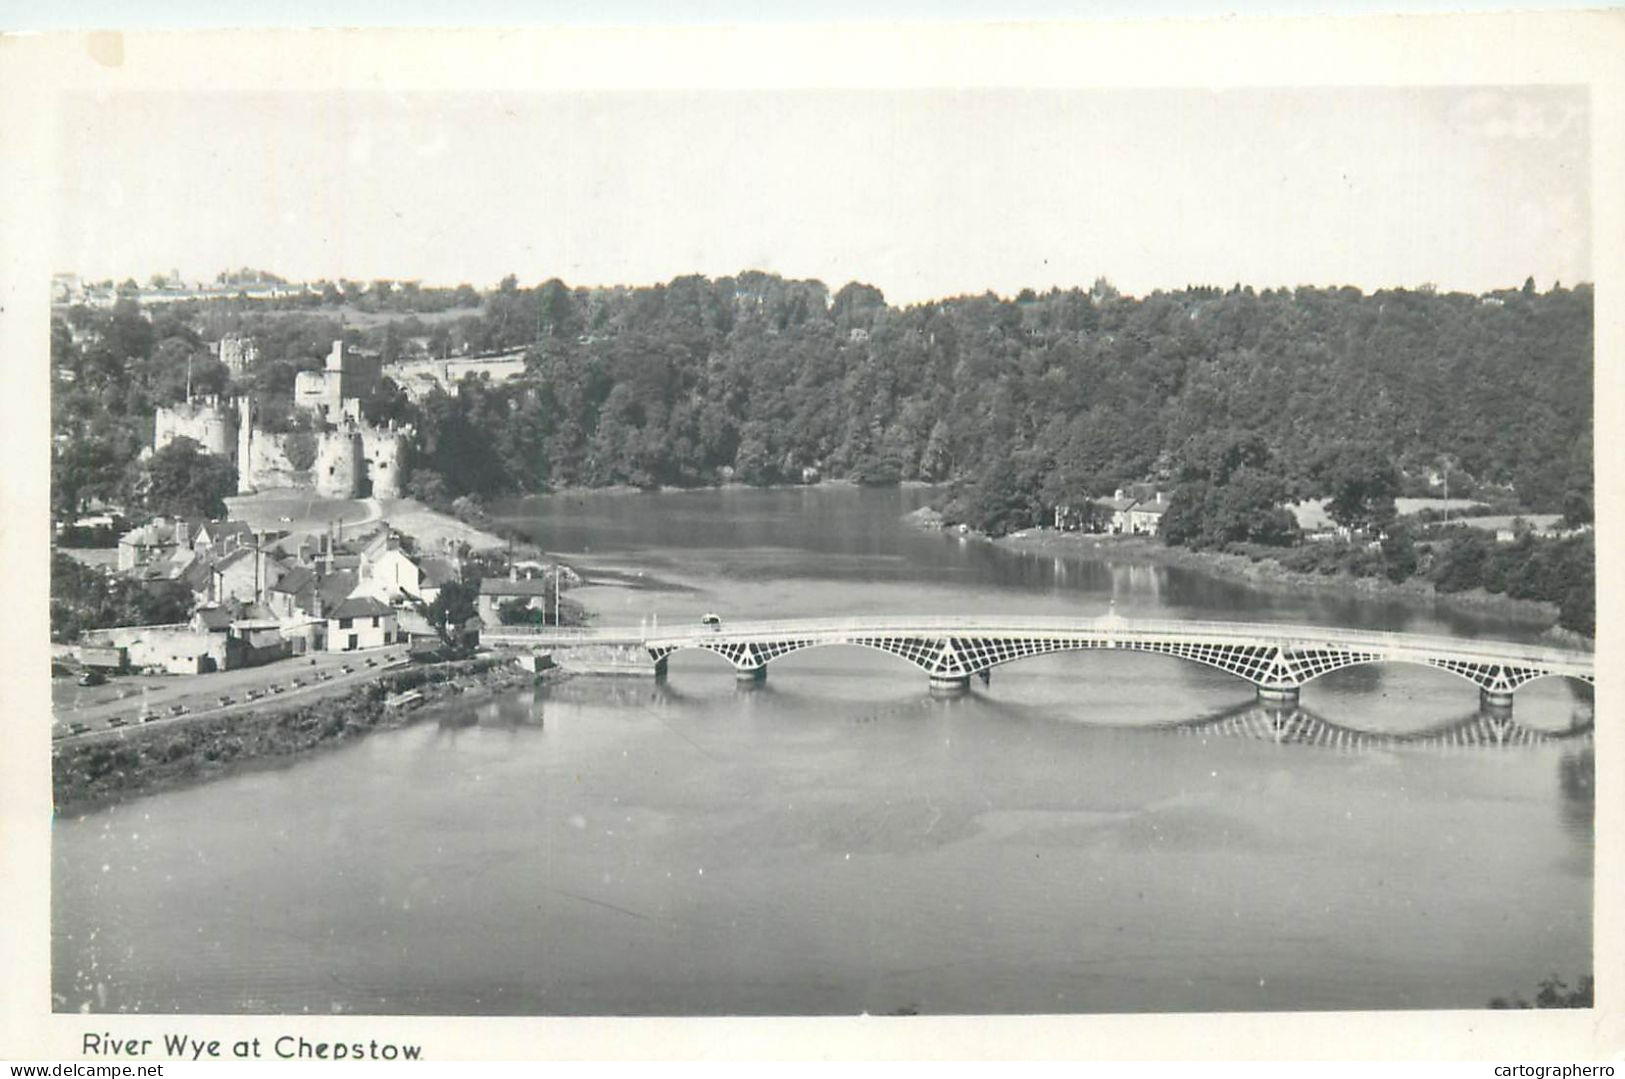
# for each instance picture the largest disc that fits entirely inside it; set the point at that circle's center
(1145, 517)
(360, 622)
(386, 573)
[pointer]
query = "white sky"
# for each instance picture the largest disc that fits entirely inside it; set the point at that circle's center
(924, 193)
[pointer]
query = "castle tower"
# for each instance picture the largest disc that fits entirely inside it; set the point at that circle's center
(340, 464)
(245, 445)
(386, 460)
(204, 420)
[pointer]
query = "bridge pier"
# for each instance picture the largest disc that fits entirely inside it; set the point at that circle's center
(986, 675)
(950, 685)
(1495, 702)
(751, 674)
(1278, 696)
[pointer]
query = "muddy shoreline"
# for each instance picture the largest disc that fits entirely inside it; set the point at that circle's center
(93, 775)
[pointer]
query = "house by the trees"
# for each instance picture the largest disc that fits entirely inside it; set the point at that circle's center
(360, 622)
(495, 592)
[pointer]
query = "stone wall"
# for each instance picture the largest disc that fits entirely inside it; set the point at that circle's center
(206, 421)
(174, 649)
(268, 466)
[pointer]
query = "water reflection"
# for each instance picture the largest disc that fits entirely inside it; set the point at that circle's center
(1300, 726)
(1577, 779)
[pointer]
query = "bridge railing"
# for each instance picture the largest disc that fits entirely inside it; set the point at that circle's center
(1297, 636)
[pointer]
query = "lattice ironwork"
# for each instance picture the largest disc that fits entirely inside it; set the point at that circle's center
(934, 655)
(1305, 665)
(1259, 664)
(1496, 677)
(1265, 663)
(1304, 728)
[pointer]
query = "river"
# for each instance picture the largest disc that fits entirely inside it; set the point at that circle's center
(1102, 832)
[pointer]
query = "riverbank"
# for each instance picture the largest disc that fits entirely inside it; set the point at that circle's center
(93, 774)
(434, 529)
(1268, 574)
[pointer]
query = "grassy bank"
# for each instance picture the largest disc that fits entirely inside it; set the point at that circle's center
(92, 773)
(1268, 574)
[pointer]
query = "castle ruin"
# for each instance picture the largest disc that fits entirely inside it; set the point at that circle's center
(344, 457)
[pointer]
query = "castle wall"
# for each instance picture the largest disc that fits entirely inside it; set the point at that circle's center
(267, 466)
(206, 421)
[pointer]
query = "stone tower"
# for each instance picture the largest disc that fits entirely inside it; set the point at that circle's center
(339, 464)
(245, 445)
(205, 420)
(385, 451)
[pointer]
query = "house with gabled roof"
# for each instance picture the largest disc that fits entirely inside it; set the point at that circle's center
(495, 591)
(360, 622)
(1145, 517)
(222, 536)
(245, 574)
(292, 594)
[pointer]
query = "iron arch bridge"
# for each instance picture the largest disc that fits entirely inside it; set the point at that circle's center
(1277, 659)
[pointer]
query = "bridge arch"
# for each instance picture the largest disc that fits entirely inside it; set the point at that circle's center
(1277, 659)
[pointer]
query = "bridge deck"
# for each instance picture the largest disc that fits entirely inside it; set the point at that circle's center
(1108, 630)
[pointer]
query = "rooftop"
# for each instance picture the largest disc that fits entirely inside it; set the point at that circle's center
(360, 607)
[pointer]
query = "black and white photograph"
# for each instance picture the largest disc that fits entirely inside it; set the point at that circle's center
(600, 524)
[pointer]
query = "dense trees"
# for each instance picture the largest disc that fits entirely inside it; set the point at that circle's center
(181, 480)
(1230, 490)
(759, 377)
(1236, 399)
(84, 598)
(1360, 481)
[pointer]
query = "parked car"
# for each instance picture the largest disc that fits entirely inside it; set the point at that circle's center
(148, 717)
(712, 620)
(225, 700)
(92, 678)
(78, 728)
(177, 709)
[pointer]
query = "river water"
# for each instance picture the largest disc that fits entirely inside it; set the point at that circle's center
(1088, 833)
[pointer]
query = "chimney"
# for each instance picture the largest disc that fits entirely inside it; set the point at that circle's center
(1119, 494)
(1159, 498)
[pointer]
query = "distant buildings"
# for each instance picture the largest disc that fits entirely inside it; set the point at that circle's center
(237, 352)
(1133, 511)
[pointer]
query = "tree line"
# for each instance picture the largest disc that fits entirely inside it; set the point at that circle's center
(1022, 403)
